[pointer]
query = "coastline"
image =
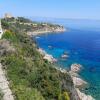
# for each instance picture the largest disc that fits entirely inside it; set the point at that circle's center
(36, 33)
(51, 59)
(47, 56)
(74, 76)
(78, 82)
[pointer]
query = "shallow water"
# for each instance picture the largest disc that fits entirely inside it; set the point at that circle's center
(83, 47)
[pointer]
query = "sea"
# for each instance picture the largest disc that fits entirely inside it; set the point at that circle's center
(81, 42)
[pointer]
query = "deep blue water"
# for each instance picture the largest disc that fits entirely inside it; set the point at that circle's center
(83, 47)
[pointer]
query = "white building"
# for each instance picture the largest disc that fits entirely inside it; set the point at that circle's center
(1, 31)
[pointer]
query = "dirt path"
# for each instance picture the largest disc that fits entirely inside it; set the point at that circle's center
(4, 86)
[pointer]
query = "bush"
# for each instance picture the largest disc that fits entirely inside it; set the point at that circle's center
(9, 36)
(64, 96)
(1, 95)
(31, 77)
(23, 93)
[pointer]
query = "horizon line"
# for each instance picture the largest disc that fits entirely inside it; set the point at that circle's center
(91, 19)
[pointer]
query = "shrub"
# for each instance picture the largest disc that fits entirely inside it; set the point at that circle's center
(64, 96)
(1, 95)
(31, 77)
(9, 36)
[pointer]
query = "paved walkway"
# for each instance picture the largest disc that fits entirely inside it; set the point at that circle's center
(4, 86)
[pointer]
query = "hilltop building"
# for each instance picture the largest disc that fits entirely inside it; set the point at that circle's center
(8, 15)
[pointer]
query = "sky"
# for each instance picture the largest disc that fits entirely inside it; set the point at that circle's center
(73, 9)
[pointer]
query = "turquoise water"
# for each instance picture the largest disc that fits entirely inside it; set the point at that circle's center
(83, 47)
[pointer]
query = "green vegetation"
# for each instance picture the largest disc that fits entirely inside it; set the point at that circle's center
(23, 20)
(31, 77)
(26, 25)
(64, 96)
(1, 95)
(10, 36)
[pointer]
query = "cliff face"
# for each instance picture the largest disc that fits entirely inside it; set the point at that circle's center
(67, 84)
(30, 76)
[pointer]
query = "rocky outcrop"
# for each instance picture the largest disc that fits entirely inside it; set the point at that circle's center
(83, 96)
(78, 82)
(76, 68)
(46, 56)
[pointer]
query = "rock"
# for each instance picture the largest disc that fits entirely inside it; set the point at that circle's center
(76, 68)
(41, 51)
(83, 96)
(61, 70)
(46, 56)
(64, 56)
(49, 58)
(50, 47)
(78, 82)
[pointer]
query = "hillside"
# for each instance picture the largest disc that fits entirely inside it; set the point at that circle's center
(30, 76)
(31, 27)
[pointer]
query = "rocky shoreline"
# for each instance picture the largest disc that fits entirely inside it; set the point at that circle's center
(45, 31)
(78, 82)
(74, 69)
(47, 56)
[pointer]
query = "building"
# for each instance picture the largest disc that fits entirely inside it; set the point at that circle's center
(7, 15)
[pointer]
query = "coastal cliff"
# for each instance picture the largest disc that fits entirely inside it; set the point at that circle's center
(30, 76)
(46, 28)
(31, 27)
